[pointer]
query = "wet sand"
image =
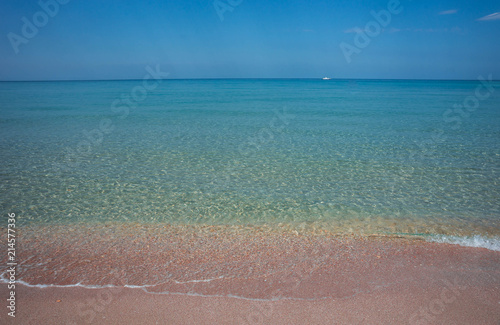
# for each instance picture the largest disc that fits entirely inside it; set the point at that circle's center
(404, 304)
(248, 275)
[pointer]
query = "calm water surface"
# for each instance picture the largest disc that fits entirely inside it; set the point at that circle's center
(362, 156)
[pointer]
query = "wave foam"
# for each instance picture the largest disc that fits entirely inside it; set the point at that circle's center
(474, 241)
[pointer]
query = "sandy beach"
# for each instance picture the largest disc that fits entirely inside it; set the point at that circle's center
(403, 304)
(252, 275)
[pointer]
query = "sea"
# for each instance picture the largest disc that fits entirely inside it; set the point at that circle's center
(363, 157)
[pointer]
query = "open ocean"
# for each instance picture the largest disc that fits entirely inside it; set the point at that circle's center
(347, 156)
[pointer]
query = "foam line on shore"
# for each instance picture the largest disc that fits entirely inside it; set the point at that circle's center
(79, 284)
(473, 241)
(145, 289)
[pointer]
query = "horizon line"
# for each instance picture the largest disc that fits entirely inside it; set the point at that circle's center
(242, 78)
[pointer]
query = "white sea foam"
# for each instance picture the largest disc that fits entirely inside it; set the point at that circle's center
(196, 281)
(79, 284)
(145, 289)
(5, 280)
(473, 241)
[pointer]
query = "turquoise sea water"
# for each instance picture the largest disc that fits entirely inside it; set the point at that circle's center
(362, 156)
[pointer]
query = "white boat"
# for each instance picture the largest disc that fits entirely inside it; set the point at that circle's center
(326, 78)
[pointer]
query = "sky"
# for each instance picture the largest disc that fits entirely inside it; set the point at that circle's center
(117, 39)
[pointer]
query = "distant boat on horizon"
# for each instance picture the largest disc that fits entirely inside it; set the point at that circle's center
(326, 78)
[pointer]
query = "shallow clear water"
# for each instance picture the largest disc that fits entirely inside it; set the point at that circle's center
(361, 156)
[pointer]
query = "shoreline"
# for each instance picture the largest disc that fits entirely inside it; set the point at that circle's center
(409, 305)
(434, 296)
(100, 255)
(232, 272)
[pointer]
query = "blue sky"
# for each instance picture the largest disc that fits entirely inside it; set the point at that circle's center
(96, 39)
